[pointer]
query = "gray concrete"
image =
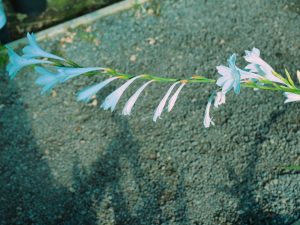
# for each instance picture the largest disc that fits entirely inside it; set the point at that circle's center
(64, 162)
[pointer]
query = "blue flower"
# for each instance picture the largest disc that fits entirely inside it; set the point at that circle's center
(2, 16)
(33, 50)
(232, 76)
(87, 93)
(71, 72)
(259, 66)
(17, 62)
(47, 79)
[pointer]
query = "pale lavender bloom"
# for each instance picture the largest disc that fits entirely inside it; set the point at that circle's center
(232, 76)
(291, 97)
(112, 99)
(174, 97)
(219, 99)
(33, 50)
(71, 72)
(207, 119)
(47, 79)
(16, 63)
(130, 103)
(259, 66)
(162, 103)
(87, 93)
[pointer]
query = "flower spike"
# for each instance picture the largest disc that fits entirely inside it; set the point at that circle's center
(162, 103)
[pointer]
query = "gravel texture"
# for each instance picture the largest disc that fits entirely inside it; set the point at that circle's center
(64, 162)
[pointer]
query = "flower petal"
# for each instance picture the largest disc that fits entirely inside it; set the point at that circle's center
(207, 119)
(174, 97)
(112, 99)
(162, 103)
(33, 50)
(70, 72)
(87, 93)
(130, 103)
(291, 97)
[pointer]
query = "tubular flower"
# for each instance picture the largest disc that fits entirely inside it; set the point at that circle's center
(291, 97)
(33, 50)
(86, 94)
(70, 72)
(2, 15)
(16, 63)
(173, 99)
(259, 66)
(207, 119)
(162, 103)
(112, 99)
(47, 79)
(130, 103)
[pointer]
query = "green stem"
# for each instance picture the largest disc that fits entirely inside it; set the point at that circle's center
(269, 85)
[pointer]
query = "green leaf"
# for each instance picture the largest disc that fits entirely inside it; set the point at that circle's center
(281, 78)
(289, 77)
(291, 168)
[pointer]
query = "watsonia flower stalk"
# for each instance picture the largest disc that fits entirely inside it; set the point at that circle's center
(54, 70)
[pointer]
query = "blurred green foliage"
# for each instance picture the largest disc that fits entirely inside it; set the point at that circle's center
(3, 56)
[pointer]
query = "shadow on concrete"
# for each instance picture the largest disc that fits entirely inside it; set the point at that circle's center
(250, 210)
(30, 194)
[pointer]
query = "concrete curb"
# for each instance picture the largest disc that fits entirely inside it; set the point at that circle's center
(85, 19)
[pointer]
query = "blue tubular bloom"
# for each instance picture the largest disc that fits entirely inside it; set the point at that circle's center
(259, 66)
(17, 62)
(87, 93)
(2, 15)
(47, 79)
(33, 50)
(71, 72)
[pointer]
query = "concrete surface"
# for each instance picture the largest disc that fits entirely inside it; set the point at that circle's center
(64, 162)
